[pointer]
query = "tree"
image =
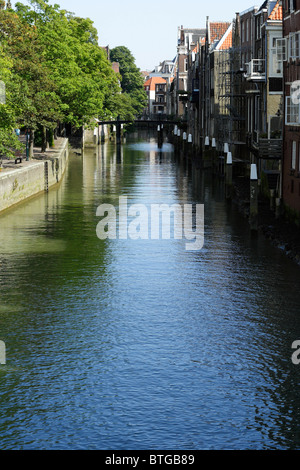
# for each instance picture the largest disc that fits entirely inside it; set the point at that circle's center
(31, 91)
(132, 81)
(55, 71)
(83, 76)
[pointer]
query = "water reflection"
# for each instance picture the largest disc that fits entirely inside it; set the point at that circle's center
(124, 344)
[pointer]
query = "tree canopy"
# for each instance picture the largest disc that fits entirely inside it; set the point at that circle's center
(132, 80)
(55, 71)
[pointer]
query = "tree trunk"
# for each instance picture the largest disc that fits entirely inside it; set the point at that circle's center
(44, 139)
(31, 143)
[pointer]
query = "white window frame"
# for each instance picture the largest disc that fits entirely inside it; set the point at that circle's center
(292, 112)
(292, 46)
(281, 48)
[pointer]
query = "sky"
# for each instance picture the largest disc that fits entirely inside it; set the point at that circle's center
(149, 29)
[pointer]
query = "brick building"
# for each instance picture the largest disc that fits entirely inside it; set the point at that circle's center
(291, 148)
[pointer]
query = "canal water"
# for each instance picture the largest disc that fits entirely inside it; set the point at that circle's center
(141, 344)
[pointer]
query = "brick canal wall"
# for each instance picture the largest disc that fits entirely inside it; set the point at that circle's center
(19, 182)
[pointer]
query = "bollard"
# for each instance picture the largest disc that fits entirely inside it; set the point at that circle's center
(184, 137)
(253, 198)
(190, 146)
(228, 185)
(2, 353)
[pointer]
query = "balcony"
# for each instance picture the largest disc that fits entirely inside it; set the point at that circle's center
(266, 149)
(256, 70)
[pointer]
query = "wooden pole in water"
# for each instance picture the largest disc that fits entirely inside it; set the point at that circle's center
(118, 131)
(228, 176)
(253, 217)
(160, 136)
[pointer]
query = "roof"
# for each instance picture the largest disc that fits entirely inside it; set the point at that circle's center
(276, 13)
(226, 41)
(154, 81)
(264, 5)
(217, 30)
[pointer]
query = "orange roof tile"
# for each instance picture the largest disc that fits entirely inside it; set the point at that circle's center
(154, 81)
(277, 12)
(227, 44)
(217, 30)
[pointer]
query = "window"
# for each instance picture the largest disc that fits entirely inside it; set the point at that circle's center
(292, 46)
(258, 31)
(297, 45)
(294, 150)
(281, 49)
(292, 113)
(275, 65)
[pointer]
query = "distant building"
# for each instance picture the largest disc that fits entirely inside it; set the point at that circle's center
(165, 69)
(156, 89)
(116, 67)
(145, 74)
(186, 42)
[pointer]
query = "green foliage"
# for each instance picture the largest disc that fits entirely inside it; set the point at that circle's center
(55, 71)
(132, 80)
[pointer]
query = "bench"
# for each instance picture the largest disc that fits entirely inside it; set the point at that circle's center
(18, 160)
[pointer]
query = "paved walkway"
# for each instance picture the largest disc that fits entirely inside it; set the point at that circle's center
(9, 164)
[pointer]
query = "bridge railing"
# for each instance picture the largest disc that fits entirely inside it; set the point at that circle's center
(160, 117)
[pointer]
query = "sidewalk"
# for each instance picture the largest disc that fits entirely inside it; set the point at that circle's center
(9, 164)
(20, 181)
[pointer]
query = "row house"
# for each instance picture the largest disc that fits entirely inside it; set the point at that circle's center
(167, 71)
(241, 89)
(156, 90)
(291, 70)
(193, 87)
(261, 41)
(214, 71)
(186, 43)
